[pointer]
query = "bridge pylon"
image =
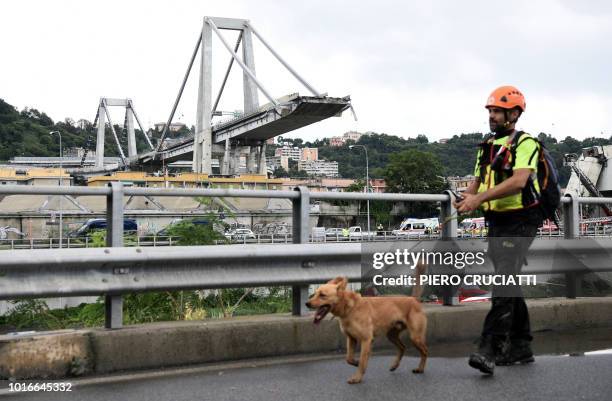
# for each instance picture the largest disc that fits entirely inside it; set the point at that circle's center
(130, 114)
(203, 141)
(204, 144)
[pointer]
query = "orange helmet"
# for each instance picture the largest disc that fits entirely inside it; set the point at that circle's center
(506, 97)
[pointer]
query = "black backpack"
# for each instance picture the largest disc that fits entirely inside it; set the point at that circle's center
(548, 179)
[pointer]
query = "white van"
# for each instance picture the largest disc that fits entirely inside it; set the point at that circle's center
(412, 227)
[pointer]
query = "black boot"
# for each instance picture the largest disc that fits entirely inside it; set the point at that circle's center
(519, 352)
(484, 358)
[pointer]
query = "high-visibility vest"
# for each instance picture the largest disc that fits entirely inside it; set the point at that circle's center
(496, 160)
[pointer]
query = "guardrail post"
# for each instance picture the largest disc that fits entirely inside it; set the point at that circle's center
(571, 219)
(571, 230)
(300, 214)
(448, 218)
(113, 304)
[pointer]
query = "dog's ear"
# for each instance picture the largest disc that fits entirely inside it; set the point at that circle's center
(341, 282)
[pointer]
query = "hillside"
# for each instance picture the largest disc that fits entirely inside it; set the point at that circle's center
(26, 133)
(458, 155)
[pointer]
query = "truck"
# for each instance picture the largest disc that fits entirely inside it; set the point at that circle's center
(355, 232)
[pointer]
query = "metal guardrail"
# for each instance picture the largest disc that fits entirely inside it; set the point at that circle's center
(97, 271)
(116, 270)
(84, 242)
(94, 271)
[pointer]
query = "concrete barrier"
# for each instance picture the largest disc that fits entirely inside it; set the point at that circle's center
(96, 351)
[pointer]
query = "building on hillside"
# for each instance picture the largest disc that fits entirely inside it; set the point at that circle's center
(319, 167)
(309, 154)
(292, 152)
(352, 135)
(378, 185)
(275, 162)
(336, 184)
(297, 154)
(336, 141)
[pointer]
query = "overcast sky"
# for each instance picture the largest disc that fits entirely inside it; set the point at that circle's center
(411, 67)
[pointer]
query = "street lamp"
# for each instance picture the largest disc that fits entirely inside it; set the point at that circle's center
(367, 186)
(61, 225)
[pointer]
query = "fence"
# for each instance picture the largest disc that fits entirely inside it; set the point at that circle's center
(163, 240)
(115, 270)
(84, 242)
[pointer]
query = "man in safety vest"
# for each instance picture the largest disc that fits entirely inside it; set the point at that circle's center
(506, 189)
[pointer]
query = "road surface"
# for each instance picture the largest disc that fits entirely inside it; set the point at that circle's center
(556, 375)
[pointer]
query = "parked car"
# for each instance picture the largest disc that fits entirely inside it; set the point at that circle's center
(240, 234)
(129, 226)
(335, 232)
(357, 232)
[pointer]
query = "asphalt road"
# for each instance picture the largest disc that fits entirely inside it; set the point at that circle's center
(556, 378)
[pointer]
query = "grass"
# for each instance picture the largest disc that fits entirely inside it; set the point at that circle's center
(34, 314)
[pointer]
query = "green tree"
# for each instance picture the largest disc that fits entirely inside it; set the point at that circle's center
(413, 171)
(226, 300)
(189, 233)
(280, 172)
(300, 174)
(379, 210)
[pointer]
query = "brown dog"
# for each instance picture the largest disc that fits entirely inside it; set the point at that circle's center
(363, 318)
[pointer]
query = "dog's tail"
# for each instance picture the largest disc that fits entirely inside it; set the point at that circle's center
(417, 289)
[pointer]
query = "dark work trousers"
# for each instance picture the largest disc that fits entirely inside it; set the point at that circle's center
(509, 242)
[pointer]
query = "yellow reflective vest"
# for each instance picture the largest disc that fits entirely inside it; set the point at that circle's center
(497, 158)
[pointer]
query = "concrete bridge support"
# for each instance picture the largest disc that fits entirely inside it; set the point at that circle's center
(202, 153)
(263, 168)
(225, 161)
(234, 161)
(251, 98)
(202, 149)
(252, 159)
(129, 122)
(100, 136)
